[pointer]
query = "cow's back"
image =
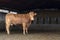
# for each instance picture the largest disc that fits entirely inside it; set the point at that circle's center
(17, 18)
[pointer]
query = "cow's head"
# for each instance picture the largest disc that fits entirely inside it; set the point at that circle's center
(32, 14)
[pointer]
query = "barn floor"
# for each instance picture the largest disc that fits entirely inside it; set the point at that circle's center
(30, 36)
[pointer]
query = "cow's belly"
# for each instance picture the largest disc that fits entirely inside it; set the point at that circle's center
(16, 22)
(20, 21)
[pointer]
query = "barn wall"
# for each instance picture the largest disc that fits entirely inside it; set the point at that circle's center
(45, 20)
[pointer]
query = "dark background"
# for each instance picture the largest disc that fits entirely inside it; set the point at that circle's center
(48, 17)
(30, 4)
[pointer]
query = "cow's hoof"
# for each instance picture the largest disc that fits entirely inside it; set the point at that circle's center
(8, 33)
(27, 33)
(24, 34)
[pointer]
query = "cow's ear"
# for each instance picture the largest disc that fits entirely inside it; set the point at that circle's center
(31, 12)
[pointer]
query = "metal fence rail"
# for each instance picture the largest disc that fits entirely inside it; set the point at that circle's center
(45, 20)
(48, 17)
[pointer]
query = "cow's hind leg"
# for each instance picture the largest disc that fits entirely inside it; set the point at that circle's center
(7, 28)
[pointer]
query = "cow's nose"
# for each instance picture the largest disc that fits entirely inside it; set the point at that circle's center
(32, 18)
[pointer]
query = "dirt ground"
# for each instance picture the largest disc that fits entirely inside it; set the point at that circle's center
(30, 36)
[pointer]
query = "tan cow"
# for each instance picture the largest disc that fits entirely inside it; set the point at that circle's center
(24, 19)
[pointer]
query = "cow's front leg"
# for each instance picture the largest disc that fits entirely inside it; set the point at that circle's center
(27, 26)
(24, 28)
(27, 30)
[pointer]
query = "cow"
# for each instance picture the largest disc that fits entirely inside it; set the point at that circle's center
(23, 19)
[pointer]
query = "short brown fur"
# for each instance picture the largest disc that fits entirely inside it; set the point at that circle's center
(24, 19)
